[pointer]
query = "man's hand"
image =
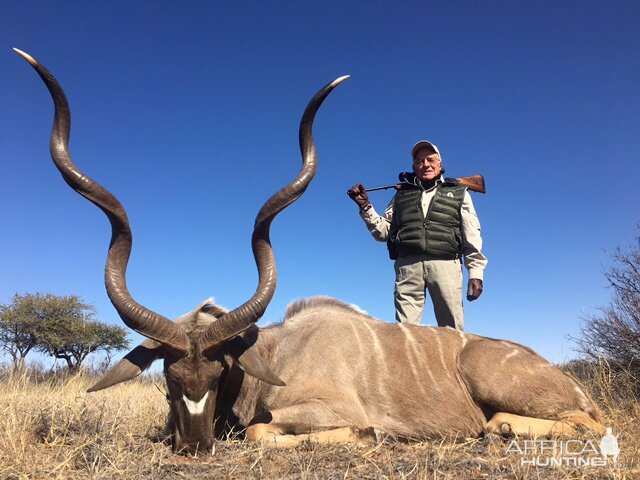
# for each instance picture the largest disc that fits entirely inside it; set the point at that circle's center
(358, 194)
(474, 289)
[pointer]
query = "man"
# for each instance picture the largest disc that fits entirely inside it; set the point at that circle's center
(429, 226)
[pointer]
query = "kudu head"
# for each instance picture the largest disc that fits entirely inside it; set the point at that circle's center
(199, 347)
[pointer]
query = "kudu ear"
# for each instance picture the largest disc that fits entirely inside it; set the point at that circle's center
(133, 364)
(240, 352)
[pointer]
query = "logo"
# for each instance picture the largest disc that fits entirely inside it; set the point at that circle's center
(609, 446)
(450, 194)
(573, 452)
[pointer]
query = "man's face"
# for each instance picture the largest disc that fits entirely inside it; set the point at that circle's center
(427, 164)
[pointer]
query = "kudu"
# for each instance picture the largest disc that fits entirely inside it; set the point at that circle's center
(348, 376)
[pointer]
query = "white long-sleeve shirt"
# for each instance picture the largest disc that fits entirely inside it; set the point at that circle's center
(474, 260)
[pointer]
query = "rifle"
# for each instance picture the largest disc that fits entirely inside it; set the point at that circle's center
(475, 183)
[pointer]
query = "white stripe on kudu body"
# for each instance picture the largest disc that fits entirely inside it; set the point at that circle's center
(413, 356)
(195, 408)
(411, 352)
(509, 355)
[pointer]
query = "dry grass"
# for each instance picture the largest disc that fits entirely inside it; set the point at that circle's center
(53, 429)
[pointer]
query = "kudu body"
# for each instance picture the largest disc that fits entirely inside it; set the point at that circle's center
(328, 372)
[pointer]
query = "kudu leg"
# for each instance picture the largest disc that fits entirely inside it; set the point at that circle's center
(290, 426)
(508, 423)
(270, 435)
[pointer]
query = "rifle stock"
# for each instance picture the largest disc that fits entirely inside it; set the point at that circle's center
(475, 183)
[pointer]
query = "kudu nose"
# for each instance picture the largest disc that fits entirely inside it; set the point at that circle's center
(202, 447)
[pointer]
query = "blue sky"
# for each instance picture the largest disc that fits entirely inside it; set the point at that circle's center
(188, 112)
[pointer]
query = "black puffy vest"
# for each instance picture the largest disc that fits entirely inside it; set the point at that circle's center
(438, 235)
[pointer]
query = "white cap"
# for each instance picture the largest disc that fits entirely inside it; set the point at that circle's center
(424, 143)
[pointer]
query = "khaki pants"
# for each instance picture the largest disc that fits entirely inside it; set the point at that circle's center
(443, 280)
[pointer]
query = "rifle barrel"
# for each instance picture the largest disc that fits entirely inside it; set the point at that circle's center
(386, 187)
